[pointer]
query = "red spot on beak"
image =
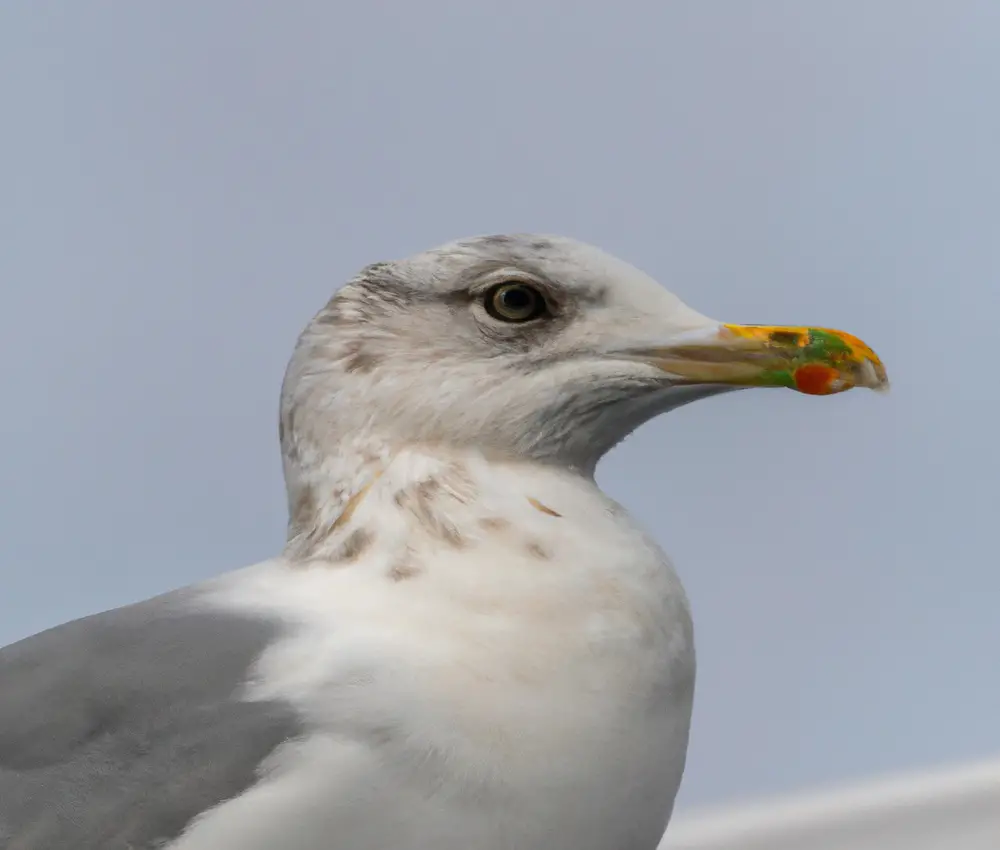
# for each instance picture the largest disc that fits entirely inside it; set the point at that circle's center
(816, 379)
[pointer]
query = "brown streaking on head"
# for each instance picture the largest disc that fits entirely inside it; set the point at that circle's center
(351, 506)
(545, 509)
(536, 549)
(494, 523)
(404, 568)
(356, 543)
(304, 509)
(427, 501)
(452, 536)
(286, 434)
(360, 360)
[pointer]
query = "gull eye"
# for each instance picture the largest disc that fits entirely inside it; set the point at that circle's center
(514, 302)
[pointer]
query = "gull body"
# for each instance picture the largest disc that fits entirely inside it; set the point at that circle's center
(465, 643)
(525, 681)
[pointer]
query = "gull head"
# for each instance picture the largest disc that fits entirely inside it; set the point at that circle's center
(528, 347)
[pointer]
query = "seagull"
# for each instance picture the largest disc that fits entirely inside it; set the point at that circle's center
(464, 643)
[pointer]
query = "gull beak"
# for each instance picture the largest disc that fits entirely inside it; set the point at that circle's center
(817, 361)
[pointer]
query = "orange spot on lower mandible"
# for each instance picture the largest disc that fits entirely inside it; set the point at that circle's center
(815, 379)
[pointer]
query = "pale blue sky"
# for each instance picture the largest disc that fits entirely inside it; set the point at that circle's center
(185, 183)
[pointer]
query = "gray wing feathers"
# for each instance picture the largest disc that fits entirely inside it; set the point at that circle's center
(117, 729)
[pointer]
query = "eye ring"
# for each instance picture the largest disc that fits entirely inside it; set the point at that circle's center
(515, 302)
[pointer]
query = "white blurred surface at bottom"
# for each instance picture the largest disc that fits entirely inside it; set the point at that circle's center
(951, 810)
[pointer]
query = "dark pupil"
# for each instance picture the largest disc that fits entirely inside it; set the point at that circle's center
(517, 298)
